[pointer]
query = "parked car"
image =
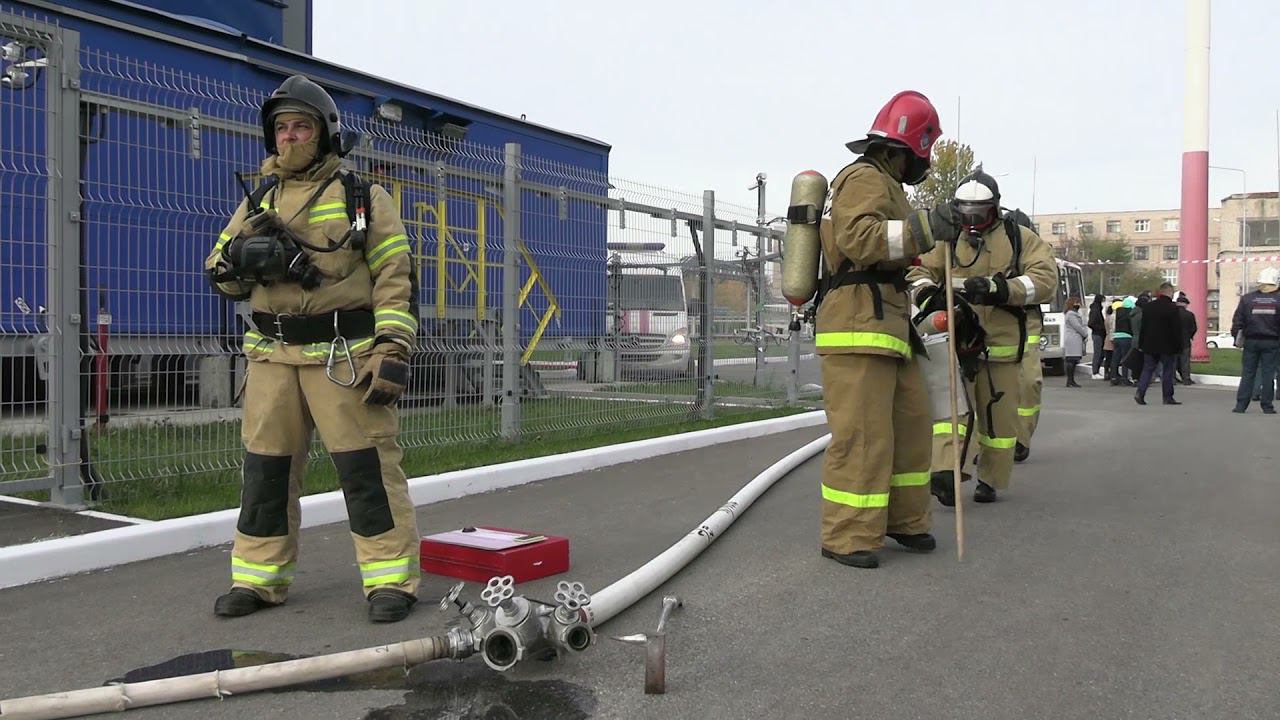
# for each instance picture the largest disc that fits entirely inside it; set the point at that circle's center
(1221, 340)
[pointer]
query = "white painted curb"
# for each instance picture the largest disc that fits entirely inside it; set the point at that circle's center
(23, 564)
(1218, 380)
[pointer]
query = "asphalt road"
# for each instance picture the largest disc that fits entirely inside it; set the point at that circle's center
(1133, 571)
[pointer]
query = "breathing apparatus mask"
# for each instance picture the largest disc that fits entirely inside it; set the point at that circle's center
(266, 252)
(976, 205)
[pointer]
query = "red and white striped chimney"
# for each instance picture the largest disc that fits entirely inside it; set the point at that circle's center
(1193, 276)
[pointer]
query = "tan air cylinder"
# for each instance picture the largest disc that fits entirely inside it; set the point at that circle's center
(801, 247)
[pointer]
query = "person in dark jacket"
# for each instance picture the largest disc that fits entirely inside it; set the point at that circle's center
(1256, 328)
(1160, 340)
(1189, 328)
(1122, 339)
(1098, 327)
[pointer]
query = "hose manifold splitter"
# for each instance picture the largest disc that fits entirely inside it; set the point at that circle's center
(513, 628)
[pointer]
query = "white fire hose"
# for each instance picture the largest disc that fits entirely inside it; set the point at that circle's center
(458, 643)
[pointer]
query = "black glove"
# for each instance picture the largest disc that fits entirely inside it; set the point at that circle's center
(929, 227)
(931, 299)
(992, 290)
(386, 372)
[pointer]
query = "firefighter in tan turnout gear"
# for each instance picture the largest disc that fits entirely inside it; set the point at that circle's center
(1004, 268)
(876, 473)
(325, 264)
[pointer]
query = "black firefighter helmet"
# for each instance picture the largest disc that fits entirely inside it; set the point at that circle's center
(299, 94)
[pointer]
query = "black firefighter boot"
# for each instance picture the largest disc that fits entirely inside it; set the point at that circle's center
(1022, 452)
(942, 485)
(984, 493)
(920, 542)
(239, 602)
(388, 605)
(866, 559)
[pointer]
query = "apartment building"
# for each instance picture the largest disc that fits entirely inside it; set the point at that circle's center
(1153, 237)
(1250, 232)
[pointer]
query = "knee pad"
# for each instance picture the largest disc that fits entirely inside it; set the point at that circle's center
(264, 501)
(360, 473)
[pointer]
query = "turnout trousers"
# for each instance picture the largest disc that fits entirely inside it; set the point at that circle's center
(1030, 383)
(283, 404)
(875, 478)
(994, 442)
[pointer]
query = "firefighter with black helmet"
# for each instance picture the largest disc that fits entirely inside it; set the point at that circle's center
(876, 473)
(1004, 268)
(325, 263)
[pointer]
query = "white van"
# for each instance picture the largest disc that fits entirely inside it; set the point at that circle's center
(648, 310)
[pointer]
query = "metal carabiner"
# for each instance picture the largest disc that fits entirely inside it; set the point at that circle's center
(329, 363)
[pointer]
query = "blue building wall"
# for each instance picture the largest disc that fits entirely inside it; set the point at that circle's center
(152, 209)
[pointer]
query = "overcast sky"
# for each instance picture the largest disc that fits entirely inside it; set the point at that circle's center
(706, 93)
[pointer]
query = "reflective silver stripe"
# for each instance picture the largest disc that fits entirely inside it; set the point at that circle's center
(1031, 289)
(893, 237)
(920, 283)
(388, 572)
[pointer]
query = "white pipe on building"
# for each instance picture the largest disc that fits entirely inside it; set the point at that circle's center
(625, 592)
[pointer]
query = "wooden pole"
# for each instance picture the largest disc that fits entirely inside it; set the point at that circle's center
(953, 381)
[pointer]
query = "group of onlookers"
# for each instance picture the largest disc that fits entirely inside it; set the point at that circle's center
(1133, 338)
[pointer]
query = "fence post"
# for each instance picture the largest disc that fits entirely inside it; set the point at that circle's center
(709, 303)
(64, 320)
(510, 289)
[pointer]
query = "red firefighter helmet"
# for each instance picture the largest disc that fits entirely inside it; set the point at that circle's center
(909, 119)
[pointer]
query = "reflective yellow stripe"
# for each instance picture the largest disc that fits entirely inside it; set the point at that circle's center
(261, 575)
(222, 240)
(387, 249)
(321, 350)
(1029, 411)
(241, 562)
(1000, 443)
(388, 572)
(254, 342)
(1033, 338)
(910, 479)
(1002, 351)
(395, 318)
(863, 339)
(321, 209)
(944, 428)
(335, 215)
(873, 500)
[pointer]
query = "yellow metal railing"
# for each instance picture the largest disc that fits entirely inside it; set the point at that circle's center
(450, 252)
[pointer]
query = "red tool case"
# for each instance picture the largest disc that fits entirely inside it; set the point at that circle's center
(524, 562)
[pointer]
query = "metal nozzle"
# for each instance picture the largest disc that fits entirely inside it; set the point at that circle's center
(655, 648)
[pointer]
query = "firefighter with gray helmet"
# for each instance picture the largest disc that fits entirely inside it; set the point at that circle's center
(1004, 268)
(324, 261)
(876, 473)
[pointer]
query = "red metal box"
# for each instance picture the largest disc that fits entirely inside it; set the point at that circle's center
(524, 562)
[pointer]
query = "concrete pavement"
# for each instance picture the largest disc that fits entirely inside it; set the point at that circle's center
(1133, 571)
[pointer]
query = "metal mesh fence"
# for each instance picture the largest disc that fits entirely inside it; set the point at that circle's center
(552, 299)
(28, 183)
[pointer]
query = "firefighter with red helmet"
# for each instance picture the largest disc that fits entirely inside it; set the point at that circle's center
(876, 473)
(1005, 268)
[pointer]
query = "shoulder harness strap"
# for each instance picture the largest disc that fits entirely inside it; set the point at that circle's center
(359, 207)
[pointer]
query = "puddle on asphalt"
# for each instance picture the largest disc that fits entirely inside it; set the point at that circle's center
(435, 690)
